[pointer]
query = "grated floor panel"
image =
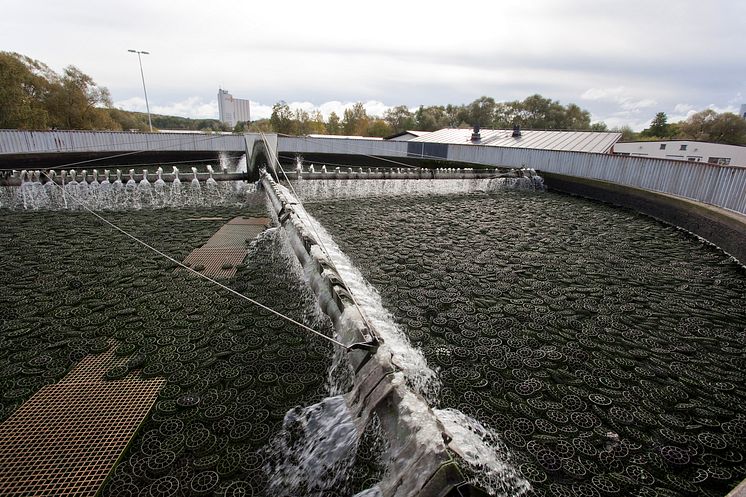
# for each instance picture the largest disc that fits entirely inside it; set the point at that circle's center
(215, 262)
(65, 439)
(227, 248)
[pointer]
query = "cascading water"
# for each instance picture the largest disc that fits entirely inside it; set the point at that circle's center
(159, 187)
(195, 190)
(321, 189)
(145, 190)
(131, 192)
(316, 446)
(486, 456)
(36, 190)
(304, 455)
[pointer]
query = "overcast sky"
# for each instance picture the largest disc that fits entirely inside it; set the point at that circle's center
(623, 61)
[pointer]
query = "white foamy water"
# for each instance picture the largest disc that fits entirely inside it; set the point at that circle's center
(315, 450)
(411, 361)
(323, 189)
(94, 193)
(313, 453)
(487, 457)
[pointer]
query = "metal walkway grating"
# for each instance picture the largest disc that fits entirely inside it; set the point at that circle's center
(65, 439)
(227, 248)
(216, 262)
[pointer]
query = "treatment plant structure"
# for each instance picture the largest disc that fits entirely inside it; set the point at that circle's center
(385, 426)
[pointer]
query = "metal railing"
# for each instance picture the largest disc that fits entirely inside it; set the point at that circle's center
(721, 186)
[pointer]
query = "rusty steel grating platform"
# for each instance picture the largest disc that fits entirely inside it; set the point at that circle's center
(65, 439)
(227, 248)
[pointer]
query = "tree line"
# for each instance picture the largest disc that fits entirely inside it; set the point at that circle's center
(33, 96)
(535, 112)
(707, 125)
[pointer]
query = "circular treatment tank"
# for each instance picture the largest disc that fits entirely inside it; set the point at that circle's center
(72, 287)
(606, 349)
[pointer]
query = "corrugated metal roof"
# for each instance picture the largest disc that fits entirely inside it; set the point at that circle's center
(344, 137)
(576, 141)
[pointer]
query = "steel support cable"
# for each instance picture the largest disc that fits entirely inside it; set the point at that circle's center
(205, 277)
(318, 238)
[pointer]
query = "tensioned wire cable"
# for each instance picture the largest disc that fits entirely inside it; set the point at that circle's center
(205, 277)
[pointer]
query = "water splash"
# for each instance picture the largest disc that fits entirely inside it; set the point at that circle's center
(479, 447)
(73, 191)
(195, 190)
(159, 188)
(145, 190)
(322, 189)
(131, 192)
(315, 450)
(411, 361)
(487, 457)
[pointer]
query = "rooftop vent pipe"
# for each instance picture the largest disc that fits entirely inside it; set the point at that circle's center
(516, 131)
(475, 136)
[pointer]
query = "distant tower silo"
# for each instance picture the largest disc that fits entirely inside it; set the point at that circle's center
(743, 111)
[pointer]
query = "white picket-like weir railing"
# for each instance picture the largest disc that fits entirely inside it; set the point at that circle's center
(721, 186)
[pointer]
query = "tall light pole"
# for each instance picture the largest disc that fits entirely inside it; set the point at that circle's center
(142, 74)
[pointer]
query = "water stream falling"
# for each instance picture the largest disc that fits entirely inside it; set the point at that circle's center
(79, 190)
(323, 189)
(318, 440)
(316, 449)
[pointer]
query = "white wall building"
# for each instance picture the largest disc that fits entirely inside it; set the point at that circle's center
(688, 150)
(743, 111)
(232, 110)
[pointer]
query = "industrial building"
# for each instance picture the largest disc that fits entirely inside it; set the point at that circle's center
(233, 110)
(685, 150)
(574, 141)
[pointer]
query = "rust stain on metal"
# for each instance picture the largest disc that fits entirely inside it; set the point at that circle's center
(65, 439)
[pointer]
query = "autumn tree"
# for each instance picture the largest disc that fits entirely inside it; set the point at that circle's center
(333, 125)
(282, 118)
(379, 128)
(76, 102)
(710, 126)
(400, 118)
(32, 96)
(355, 120)
(659, 127)
(316, 123)
(430, 118)
(482, 111)
(22, 93)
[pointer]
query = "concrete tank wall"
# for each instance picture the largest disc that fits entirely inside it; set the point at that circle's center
(724, 228)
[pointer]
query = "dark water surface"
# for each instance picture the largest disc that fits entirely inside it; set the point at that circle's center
(607, 349)
(69, 285)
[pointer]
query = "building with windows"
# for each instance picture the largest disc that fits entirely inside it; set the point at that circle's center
(687, 150)
(233, 110)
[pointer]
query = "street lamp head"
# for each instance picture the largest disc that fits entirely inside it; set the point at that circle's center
(144, 52)
(133, 51)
